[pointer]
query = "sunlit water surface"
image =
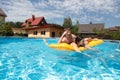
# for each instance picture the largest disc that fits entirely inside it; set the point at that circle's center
(31, 59)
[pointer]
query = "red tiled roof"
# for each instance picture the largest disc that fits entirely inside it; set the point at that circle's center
(32, 22)
(29, 20)
(45, 26)
(37, 21)
(113, 28)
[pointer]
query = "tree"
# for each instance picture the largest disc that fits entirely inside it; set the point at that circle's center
(90, 22)
(18, 24)
(15, 24)
(115, 34)
(67, 23)
(12, 24)
(75, 28)
(6, 30)
(1, 23)
(77, 23)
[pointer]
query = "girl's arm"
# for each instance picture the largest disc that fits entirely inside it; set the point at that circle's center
(60, 40)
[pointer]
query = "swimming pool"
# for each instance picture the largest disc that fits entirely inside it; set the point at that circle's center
(31, 59)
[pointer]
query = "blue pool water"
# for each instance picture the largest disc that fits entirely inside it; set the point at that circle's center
(31, 59)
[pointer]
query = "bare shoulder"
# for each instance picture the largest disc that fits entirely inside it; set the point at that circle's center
(74, 36)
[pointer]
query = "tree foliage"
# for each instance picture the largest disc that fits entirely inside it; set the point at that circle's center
(115, 35)
(75, 27)
(77, 23)
(18, 24)
(67, 23)
(15, 24)
(6, 30)
(107, 34)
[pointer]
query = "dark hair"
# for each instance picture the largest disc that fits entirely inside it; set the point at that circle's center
(67, 29)
(78, 39)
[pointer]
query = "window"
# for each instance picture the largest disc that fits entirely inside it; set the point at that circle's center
(53, 34)
(35, 33)
(42, 22)
(42, 32)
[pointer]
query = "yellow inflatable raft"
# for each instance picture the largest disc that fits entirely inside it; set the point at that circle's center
(65, 46)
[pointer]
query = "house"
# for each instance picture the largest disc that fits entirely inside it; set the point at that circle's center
(115, 28)
(19, 31)
(38, 27)
(90, 29)
(2, 15)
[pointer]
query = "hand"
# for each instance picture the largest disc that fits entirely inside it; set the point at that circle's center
(65, 32)
(60, 40)
(78, 51)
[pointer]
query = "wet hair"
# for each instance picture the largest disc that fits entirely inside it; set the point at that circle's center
(78, 39)
(67, 29)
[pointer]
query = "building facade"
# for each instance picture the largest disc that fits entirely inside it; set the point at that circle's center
(38, 27)
(19, 31)
(2, 15)
(90, 29)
